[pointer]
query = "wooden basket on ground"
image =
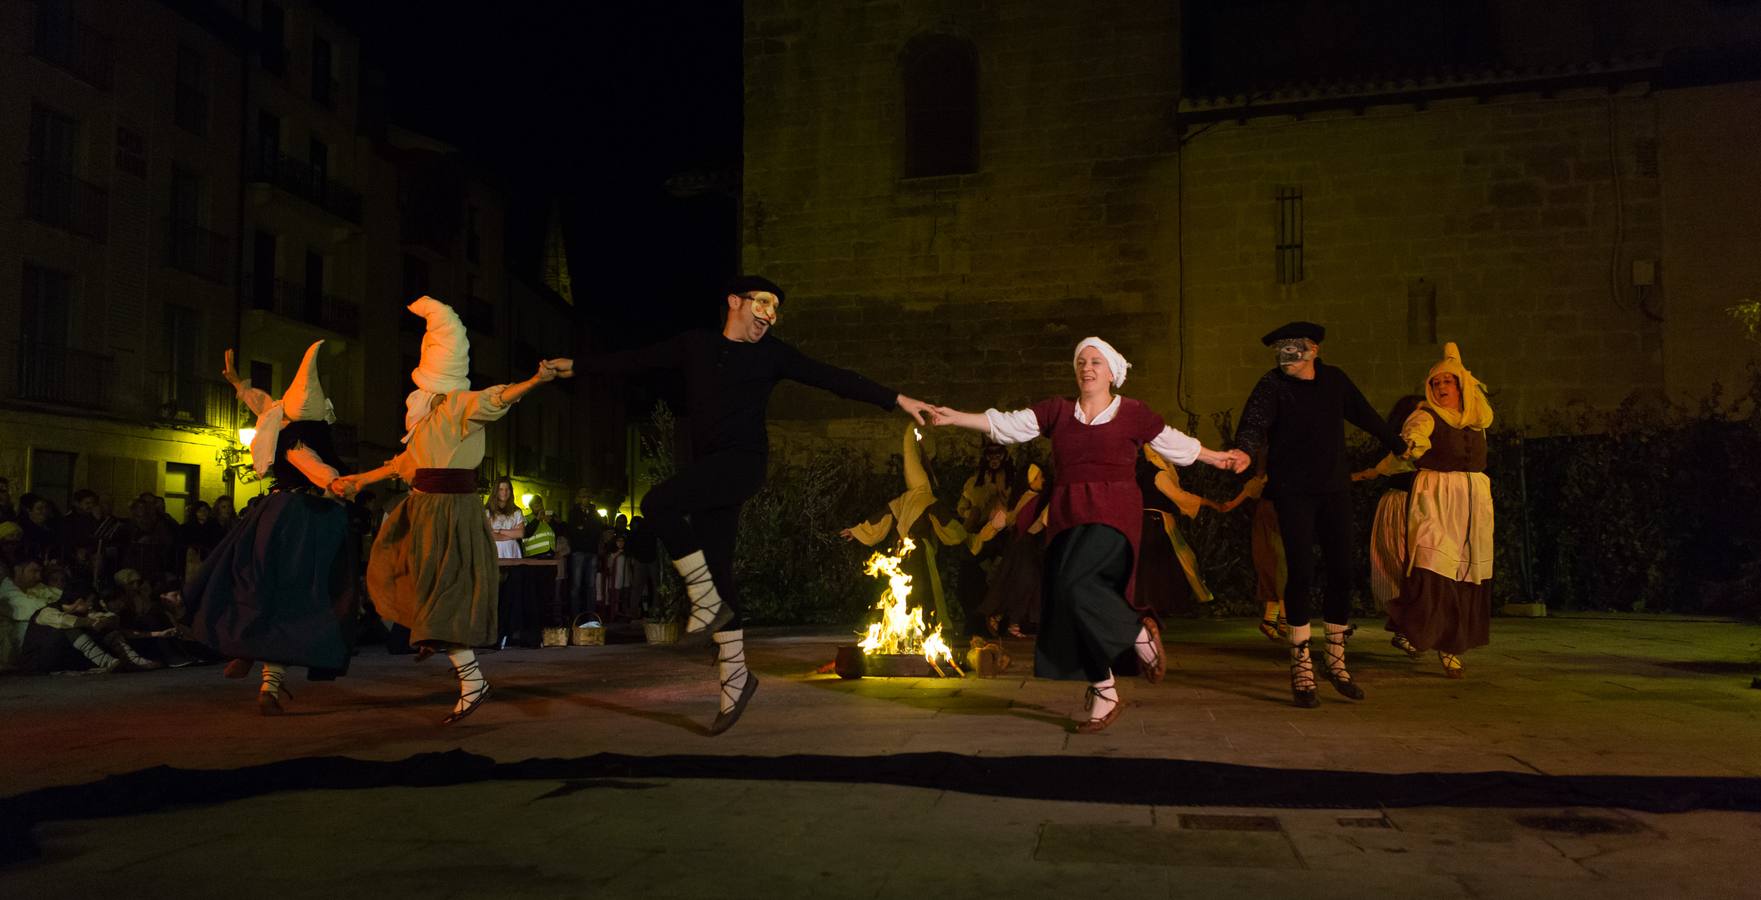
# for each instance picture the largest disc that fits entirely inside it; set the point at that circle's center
(661, 632)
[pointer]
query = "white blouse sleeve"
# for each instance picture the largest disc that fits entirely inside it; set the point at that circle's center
(1016, 427)
(311, 466)
(1179, 449)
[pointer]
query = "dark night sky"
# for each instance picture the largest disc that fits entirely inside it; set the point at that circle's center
(597, 104)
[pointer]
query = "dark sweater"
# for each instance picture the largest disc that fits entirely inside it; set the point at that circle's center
(728, 383)
(1298, 428)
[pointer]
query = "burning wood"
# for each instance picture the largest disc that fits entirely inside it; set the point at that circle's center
(901, 630)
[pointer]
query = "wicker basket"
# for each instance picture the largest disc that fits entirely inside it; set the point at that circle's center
(586, 635)
(661, 632)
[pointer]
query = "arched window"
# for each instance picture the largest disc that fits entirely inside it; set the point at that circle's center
(941, 106)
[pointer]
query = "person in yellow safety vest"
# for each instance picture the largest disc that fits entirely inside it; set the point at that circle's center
(540, 540)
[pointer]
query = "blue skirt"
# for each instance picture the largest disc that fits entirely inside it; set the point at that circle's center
(282, 587)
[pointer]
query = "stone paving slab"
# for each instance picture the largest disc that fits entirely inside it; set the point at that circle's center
(1553, 697)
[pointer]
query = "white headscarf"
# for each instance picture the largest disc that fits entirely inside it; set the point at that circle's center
(1114, 361)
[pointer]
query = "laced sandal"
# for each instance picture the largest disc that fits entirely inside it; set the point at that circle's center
(1336, 673)
(1096, 726)
(725, 720)
(1154, 670)
(1269, 628)
(270, 702)
(1405, 646)
(704, 620)
(472, 698)
(1451, 664)
(1302, 676)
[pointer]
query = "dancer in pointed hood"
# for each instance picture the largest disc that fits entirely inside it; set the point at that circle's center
(1445, 599)
(282, 587)
(433, 568)
(1164, 559)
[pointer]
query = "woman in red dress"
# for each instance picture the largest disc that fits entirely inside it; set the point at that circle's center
(1095, 518)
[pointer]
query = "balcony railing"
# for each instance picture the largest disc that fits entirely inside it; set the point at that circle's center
(197, 401)
(308, 182)
(300, 301)
(47, 373)
(197, 250)
(67, 43)
(57, 198)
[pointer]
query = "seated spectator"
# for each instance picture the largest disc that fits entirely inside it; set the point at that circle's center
(146, 621)
(63, 633)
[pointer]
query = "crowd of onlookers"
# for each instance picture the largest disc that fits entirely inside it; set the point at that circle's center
(97, 588)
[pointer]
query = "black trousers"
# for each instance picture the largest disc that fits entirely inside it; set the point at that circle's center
(699, 509)
(1304, 521)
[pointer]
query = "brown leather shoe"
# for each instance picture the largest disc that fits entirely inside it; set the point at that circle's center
(1096, 726)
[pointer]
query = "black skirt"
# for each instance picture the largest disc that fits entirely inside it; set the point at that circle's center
(282, 587)
(1087, 628)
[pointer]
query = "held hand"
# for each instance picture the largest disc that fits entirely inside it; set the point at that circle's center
(345, 486)
(560, 367)
(916, 409)
(942, 415)
(847, 534)
(1238, 461)
(999, 519)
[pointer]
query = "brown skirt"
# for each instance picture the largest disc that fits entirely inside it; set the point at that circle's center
(1438, 613)
(433, 569)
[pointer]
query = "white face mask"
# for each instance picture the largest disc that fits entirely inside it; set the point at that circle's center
(766, 307)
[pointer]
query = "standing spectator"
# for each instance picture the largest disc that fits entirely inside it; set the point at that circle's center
(7, 513)
(79, 528)
(642, 562)
(614, 579)
(36, 517)
(506, 523)
(586, 533)
(225, 516)
(199, 531)
(148, 544)
(539, 541)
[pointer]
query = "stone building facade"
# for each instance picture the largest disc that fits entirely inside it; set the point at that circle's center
(1572, 216)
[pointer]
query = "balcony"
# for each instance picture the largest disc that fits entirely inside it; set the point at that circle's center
(304, 303)
(308, 182)
(198, 251)
(57, 198)
(67, 43)
(197, 401)
(52, 374)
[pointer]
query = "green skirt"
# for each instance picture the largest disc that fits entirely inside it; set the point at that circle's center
(1087, 627)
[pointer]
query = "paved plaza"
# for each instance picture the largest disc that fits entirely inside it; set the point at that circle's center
(1582, 756)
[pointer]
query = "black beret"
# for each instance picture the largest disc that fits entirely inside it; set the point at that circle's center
(746, 284)
(1291, 330)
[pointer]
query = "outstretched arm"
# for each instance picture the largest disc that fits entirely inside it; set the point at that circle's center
(942, 415)
(254, 399)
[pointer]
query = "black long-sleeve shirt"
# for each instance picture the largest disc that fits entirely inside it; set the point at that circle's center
(1298, 427)
(728, 383)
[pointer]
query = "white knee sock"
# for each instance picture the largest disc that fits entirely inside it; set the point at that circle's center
(464, 664)
(1102, 697)
(84, 644)
(706, 603)
(730, 664)
(272, 676)
(1146, 647)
